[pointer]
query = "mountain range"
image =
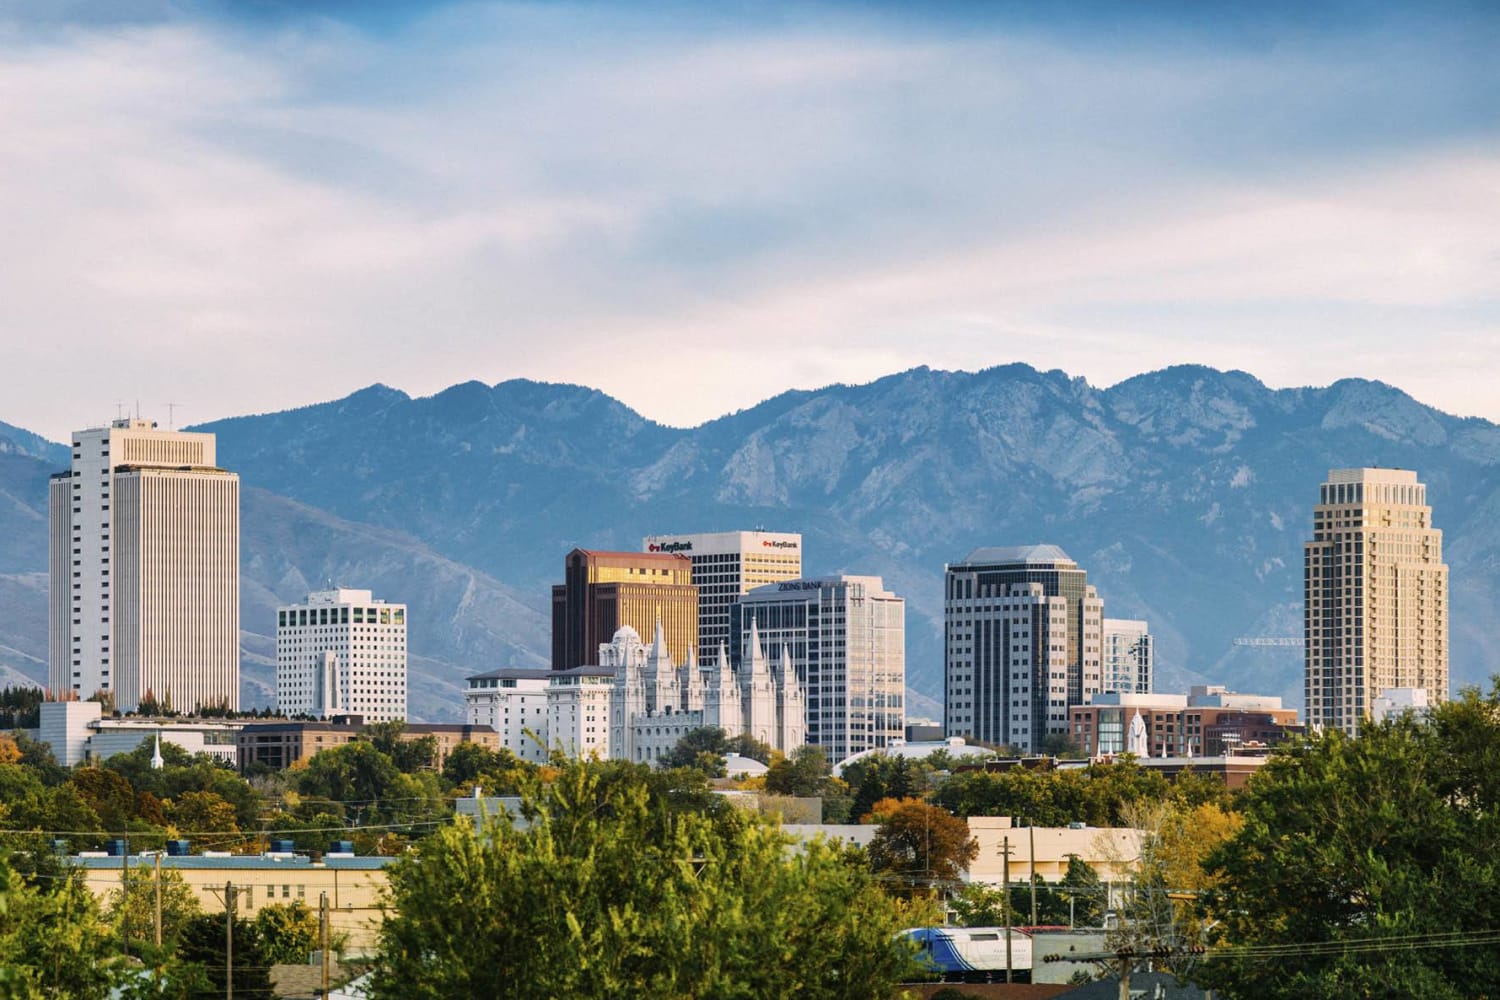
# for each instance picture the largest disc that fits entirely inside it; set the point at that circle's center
(1186, 493)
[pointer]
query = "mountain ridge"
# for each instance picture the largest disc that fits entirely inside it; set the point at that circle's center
(1185, 492)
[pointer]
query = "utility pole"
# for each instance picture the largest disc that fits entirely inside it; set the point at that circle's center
(158, 901)
(1005, 892)
(125, 895)
(228, 941)
(323, 936)
(1032, 831)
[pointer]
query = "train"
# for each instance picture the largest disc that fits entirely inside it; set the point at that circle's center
(973, 954)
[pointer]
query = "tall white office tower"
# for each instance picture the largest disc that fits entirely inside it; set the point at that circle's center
(845, 639)
(145, 570)
(342, 653)
(1376, 593)
(1129, 656)
(726, 566)
(1021, 644)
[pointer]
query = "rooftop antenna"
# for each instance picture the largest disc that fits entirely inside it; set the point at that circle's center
(119, 409)
(172, 415)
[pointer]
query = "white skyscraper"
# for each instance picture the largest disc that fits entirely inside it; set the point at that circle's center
(1129, 656)
(726, 566)
(145, 592)
(845, 639)
(342, 653)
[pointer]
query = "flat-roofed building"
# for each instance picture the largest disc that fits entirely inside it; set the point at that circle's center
(1129, 656)
(726, 566)
(513, 702)
(578, 703)
(605, 591)
(144, 570)
(845, 639)
(1209, 721)
(279, 745)
(1022, 642)
(354, 885)
(342, 652)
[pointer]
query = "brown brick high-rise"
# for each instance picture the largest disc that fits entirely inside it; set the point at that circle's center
(604, 591)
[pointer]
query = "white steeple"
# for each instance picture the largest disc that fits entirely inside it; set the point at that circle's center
(156, 761)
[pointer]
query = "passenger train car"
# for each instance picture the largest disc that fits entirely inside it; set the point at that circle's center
(973, 954)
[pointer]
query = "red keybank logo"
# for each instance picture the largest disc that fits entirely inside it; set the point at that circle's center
(767, 543)
(670, 547)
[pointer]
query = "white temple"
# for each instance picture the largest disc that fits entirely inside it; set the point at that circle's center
(654, 703)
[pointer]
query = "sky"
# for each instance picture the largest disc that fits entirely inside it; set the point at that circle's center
(243, 207)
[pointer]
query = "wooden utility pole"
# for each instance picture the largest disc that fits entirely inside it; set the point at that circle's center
(158, 901)
(1005, 893)
(1032, 877)
(228, 941)
(125, 895)
(323, 936)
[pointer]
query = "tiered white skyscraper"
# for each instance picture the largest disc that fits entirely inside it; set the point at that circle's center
(342, 653)
(145, 566)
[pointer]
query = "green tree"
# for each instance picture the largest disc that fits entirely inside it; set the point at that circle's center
(108, 793)
(204, 817)
(879, 776)
(409, 755)
(199, 969)
(1353, 848)
(132, 908)
(288, 932)
(53, 944)
(804, 773)
(497, 772)
(609, 891)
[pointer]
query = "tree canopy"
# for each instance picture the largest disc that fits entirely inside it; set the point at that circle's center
(612, 889)
(1354, 851)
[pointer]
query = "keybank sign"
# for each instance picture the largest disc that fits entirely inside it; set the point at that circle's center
(670, 547)
(769, 544)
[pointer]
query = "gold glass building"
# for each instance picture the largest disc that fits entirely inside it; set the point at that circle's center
(1376, 596)
(604, 591)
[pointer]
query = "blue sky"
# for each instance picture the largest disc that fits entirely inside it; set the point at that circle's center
(244, 207)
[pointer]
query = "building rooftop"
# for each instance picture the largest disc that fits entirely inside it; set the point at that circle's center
(512, 674)
(245, 861)
(1025, 554)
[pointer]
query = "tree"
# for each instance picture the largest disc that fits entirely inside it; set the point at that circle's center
(108, 793)
(203, 816)
(804, 773)
(609, 891)
(199, 969)
(288, 932)
(879, 776)
(919, 846)
(497, 772)
(133, 907)
(52, 944)
(1353, 848)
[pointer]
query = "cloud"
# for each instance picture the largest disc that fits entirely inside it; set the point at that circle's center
(243, 215)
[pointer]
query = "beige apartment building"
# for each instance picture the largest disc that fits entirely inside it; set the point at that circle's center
(1376, 596)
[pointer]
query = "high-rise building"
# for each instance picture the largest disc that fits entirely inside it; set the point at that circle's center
(1022, 643)
(845, 637)
(726, 566)
(607, 590)
(145, 569)
(341, 653)
(1129, 656)
(1376, 596)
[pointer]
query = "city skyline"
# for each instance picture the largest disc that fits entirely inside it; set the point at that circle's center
(770, 198)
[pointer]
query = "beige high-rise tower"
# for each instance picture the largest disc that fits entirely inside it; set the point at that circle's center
(145, 561)
(1376, 596)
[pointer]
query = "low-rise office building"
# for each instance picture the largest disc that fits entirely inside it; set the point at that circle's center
(354, 885)
(279, 745)
(79, 731)
(1208, 721)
